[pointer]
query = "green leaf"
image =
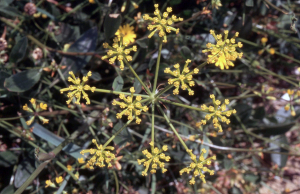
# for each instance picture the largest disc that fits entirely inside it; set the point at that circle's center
(186, 52)
(206, 147)
(8, 158)
(279, 159)
(19, 50)
(22, 81)
(111, 25)
(118, 83)
(227, 163)
(143, 42)
(11, 11)
(86, 43)
(24, 170)
(3, 75)
(251, 177)
(174, 2)
(137, 86)
(259, 113)
(123, 137)
(95, 75)
(46, 13)
(249, 3)
(8, 190)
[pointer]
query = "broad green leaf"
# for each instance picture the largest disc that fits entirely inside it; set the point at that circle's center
(118, 83)
(111, 25)
(86, 43)
(3, 75)
(227, 163)
(279, 159)
(46, 13)
(186, 52)
(22, 81)
(11, 11)
(19, 50)
(143, 42)
(71, 149)
(249, 3)
(24, 170)
(137, 86)
(7, 158)
(206, 147)
(95, 75)
(175, 2)
(123, 137)
(8, 190)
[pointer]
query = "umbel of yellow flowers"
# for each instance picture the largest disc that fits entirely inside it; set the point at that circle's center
(118, 51)
(217, 113)
(78, 88)
(36, 108)
(101, 155)
(184, 78)
(292, 96)
(152, 160)
(224, 52)
(197, 166)
(162, 23)
(131, 107)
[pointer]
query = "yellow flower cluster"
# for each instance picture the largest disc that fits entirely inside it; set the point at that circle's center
(78, 88)
(49, 183)
(292, 96)
(198, 166)
(132, 108)
(217, 112)
(184, 78)
(153, 160)
(127, 33)
(36, 108)
(224, 52)
(100, 155)
(118, 51)
(162, 23)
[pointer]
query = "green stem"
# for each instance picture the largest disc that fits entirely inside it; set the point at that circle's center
(117, 182)
(163, 91)
(182, 105)
(201, 65)
(152, 126)
(172, 127)
(137, 77)
(117, 92)
(157, 66)
(117, 133)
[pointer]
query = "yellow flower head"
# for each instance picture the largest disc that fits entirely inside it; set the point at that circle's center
(69, 167)
(272, 51)
(224, 52)
(78, 88)
(49, 184)
(59, 179)
(197, 167)
(101, 155)
(216, 4)
(154, 160)
(127, 32)
(217, 113)
(131, 107)
(92, 1)
(118, 51)
(81, 160)
(162, 23)
(294, 97)
(264, 40)
(35, 109)
(184, 78)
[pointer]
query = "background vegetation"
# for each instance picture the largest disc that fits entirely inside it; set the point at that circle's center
(258, 152)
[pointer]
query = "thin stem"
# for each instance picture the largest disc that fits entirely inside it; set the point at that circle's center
(157, 66)
(163, 90)
(117, 133)
(137, 77)
(201, 65)
(172, 127)
(117, 92)
(152, 126)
